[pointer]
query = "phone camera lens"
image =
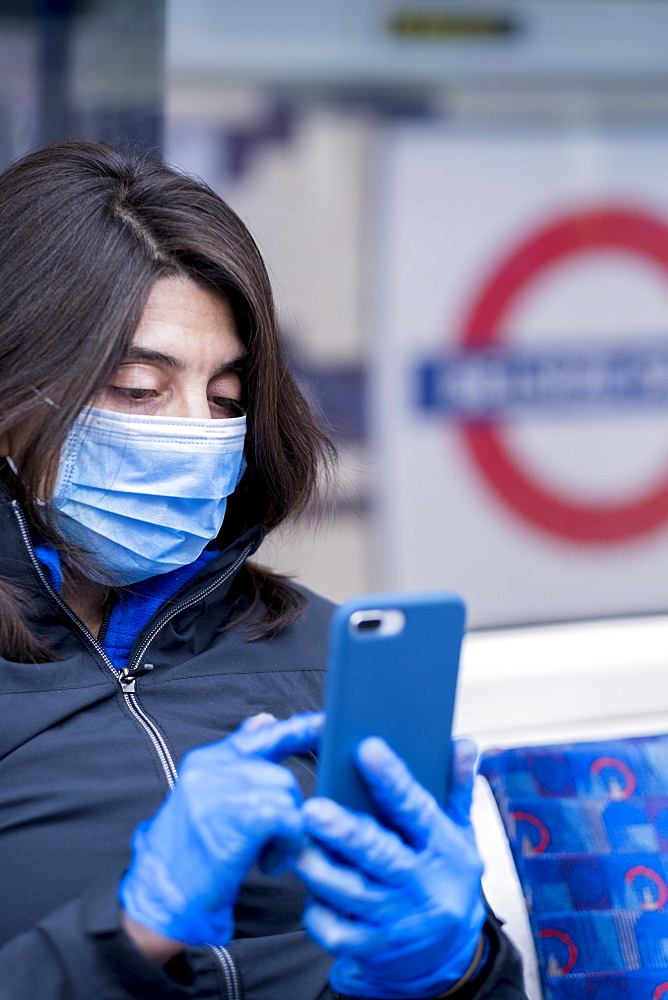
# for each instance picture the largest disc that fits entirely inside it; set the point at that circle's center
(369, 624)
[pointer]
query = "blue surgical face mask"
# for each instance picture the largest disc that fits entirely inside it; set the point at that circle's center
(144, 495)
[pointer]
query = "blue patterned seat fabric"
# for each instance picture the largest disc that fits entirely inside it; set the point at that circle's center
(588, 829)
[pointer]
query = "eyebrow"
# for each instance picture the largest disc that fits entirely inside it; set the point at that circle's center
(144, 354)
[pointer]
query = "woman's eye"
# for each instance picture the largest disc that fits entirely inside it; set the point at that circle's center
(228, 407)
(136, 394)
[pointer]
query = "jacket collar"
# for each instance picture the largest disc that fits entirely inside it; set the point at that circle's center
(20, 567)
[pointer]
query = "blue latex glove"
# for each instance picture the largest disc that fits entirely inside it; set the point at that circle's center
(232, 802)
(404, 914)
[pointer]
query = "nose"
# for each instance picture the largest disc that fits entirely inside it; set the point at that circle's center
(193, 402)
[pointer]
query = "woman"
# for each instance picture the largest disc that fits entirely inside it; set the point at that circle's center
(152, 434)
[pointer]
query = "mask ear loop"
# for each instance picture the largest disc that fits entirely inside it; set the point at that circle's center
(12, 465)
(8, 458)
(44, 397)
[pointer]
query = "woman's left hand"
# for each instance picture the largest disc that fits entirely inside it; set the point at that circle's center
(402, 911)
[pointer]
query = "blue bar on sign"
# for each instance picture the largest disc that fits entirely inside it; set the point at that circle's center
(490, 383)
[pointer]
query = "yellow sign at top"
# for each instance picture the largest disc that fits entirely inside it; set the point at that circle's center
(439, 24)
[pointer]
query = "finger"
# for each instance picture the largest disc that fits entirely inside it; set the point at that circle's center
(358, 840)
(212, 774)
(464, 758)
(337, 934)
(408, 806)
(257, 721)
(346, 890)
(250, 820)
(277, 740)
(348, 978)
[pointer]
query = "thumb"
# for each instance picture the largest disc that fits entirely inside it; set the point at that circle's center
(278, 739)
(257, 722)
(463, 768)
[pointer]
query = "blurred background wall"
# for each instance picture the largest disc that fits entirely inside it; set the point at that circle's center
(93, 69)
(464, 209)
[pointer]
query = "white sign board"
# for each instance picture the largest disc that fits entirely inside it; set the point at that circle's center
(521, 370)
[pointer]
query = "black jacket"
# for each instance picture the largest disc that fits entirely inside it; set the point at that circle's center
(83, 759)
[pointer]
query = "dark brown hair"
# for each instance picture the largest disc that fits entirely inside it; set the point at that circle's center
(85, 231)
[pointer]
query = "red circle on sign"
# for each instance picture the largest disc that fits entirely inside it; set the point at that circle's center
(599, 524)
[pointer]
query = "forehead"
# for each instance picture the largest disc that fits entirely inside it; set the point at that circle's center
(182, 316)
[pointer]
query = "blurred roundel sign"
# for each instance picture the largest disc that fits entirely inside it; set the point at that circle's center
(521, 377)
(616, 376)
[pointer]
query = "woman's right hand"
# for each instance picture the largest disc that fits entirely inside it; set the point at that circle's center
(233, 801)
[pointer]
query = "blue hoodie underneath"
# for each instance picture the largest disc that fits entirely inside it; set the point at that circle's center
(135, 605)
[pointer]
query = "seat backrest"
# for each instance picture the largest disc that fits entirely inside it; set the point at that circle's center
(587, 825)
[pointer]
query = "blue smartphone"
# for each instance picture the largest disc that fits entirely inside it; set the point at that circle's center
(393, 663)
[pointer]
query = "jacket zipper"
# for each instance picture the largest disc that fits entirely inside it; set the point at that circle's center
(106, 618)
(127, 678)
(149, 727)
(229, 970)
